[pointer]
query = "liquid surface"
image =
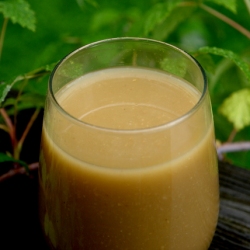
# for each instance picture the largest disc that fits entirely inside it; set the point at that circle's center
(145, 190)
(128, 98)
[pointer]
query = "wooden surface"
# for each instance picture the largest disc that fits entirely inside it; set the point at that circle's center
(19, 228)
(233, 229)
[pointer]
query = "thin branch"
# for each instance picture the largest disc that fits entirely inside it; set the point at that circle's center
(17, 171)
(227, 20)
(2, 35)
(25, 133)
(232, 135)
(232, 147)
(29, 75)
(25, 81)
(11, 128)
(6, 118)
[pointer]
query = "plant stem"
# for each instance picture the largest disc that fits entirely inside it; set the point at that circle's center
(227, 20)
(3, 31)
(11, 128)
(17, 171)
(25, 81)
(232, 147)
(232, 135)
(25, 133)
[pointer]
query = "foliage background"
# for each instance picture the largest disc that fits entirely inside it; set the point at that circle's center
(40, 33)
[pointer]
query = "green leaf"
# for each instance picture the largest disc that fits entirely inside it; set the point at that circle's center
(37, 87)
(82, 3)
(247, 2)
(229, 4)
(244, 66)
(50, 67)
(105, 17)
(5, 88)
(237, 108)
(206, 62)
(25, 101)
(170, 23)
(158, 14)
(174, 66)
(7, 158)
(19, 11)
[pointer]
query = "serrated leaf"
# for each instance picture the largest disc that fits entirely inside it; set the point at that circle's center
(236, 108)
(158, 14)
(229, 4)
(5, 88)
(19, 11)
(244, 66)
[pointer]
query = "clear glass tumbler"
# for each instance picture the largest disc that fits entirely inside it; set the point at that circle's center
(127, 159)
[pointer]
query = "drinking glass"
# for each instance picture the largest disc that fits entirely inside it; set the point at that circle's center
(128, 160)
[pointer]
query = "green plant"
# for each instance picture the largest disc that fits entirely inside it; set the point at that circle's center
(216, 32)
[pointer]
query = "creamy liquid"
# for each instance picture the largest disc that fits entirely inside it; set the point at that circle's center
(124, 188)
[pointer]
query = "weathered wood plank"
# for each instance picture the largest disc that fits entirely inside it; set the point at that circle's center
(233, 229)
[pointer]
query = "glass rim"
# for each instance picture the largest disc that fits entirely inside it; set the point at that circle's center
(153, 128)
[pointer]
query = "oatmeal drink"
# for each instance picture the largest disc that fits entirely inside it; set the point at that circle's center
(127, 155)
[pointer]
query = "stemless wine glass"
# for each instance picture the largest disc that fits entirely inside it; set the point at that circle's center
(127, 159)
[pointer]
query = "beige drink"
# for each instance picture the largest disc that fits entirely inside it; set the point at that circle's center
(131, 180)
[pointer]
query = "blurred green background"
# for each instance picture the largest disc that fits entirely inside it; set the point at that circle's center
(62, 26)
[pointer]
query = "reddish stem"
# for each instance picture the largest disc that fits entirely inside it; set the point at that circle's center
(25, 133)
(11, 128)
(17, 171)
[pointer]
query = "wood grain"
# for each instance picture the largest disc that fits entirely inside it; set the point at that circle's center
(233, 229)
